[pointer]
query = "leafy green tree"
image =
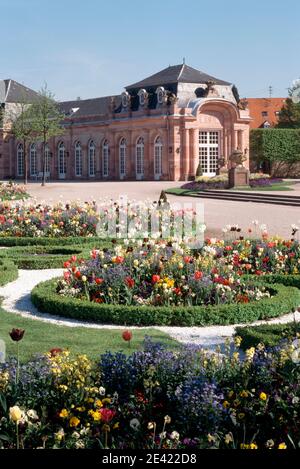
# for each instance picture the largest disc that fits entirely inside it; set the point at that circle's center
(21, 128)
(289, 116)
(46, 121)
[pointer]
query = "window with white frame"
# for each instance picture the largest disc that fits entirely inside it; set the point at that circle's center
(47, 159)
(105, 159)
(33, 160)
(140, 152)
(209, 152)
(92, 159)
(62, 164)
(158, 145)
(78, 159)
(20, 160)
(122, 157)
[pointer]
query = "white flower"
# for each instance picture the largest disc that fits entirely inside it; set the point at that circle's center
(134, 424)
(295, 356)
(32, 414)
(174, 436)
(102, 391)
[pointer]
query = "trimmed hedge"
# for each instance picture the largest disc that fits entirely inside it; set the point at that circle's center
(8, 271)
(40, 257)
(268, 334)
(289, 280)
(46, 299)
(275, 145)
(10, 241)
(48, 257)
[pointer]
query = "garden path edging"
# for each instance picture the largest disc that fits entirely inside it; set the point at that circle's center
(16, 299)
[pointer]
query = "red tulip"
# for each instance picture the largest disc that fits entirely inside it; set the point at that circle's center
(127, 335)
(55, 351)
(17, 334)
(74, 258)
(67, 264)
(198, 275)
(78, 274)
(129, 282)
(99, 281)
(155, 278)
(107, 414)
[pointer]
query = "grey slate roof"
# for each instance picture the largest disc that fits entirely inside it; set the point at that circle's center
(175, 74)
(88, 107)
(13, 92)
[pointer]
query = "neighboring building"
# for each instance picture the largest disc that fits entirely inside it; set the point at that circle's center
(264, 111)
(157, 129)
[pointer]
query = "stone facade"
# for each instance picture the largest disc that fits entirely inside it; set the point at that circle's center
(157, 129)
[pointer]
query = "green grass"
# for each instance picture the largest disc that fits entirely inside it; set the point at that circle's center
(281, 186)
(274, 187)
(40, 337)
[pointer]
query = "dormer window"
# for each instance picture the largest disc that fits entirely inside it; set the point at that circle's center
(143, 97)
(161, 95)
(125, 100)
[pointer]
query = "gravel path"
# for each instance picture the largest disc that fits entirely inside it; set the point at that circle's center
(17, 300)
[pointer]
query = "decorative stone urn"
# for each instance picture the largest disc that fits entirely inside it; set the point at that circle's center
(238, 175)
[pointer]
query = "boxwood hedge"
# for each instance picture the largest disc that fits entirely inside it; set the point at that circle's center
(268, 334)
(284, 299)
(8, 271)
(45, 241)
(48, 257)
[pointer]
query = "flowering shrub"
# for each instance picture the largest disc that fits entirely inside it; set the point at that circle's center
(155, 273)
(258, 257)
(43, 220)
(221, 182)
(108, 219)
(155, 398)
(11, 191)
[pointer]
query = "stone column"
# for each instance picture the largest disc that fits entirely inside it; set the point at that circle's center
(194, 153)
(185, 154)
(165, 156)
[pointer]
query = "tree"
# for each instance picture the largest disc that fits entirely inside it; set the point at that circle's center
(22, 129)
(289, 116)
(46, 121)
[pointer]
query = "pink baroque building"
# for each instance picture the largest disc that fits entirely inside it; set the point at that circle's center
(157, 129)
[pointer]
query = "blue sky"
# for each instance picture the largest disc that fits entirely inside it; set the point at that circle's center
(92, 48)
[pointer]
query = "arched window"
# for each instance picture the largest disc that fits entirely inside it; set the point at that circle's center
(47, 159)
(122, 157)
(140, 151)
(78, 159)
(33, 160)
(62, 164)
(105, 158)
(92, 159)
(158, 157)
(20, 160)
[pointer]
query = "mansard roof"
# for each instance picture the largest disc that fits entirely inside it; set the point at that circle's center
(13, 92)
(177, 74)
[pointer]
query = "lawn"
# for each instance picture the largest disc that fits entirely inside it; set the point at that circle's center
(40, 337)
(281, 186)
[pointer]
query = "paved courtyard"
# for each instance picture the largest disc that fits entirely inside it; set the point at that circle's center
(218, 213)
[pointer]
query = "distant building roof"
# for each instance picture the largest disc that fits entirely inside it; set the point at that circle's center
(88, 107)
(264, 110)
(177, 74)
(13, 92)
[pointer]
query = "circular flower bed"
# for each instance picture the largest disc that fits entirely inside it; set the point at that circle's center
(155, 274)
(158, 283)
